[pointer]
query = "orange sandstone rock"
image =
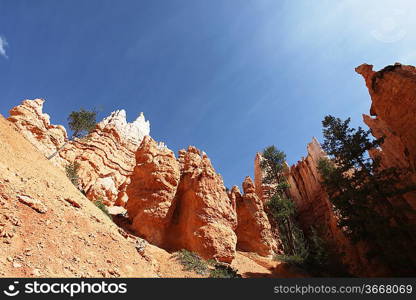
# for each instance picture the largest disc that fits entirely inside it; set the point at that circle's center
(153, 187)
(204, 219)
(36, 126)
(314, 208)
(254, 232)
(106, 156)
(393, 108)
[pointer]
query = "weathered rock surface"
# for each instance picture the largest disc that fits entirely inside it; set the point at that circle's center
(106, 156)
(204, 219)
(314, 208)
(253, 231)
(153, 187)
(36, 126)
(393, 108)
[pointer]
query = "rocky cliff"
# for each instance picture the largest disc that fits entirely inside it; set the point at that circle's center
(49, 229)
(106, 156)
(254, 232)
(37, 128)
(152, 190)
(181, 203)
(313, 208)
(174, 203)
(204, 219)
(393, 113)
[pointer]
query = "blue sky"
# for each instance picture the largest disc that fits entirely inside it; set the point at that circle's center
(228, 76)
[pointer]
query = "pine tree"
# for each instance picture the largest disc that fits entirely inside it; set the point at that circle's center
(81, 123)
(360, 191)
(280, 207)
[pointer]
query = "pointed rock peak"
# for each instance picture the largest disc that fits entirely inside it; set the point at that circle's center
(365, 70)
(31, 111)
(134, 132)
(195, 152)
(314, 148)
(36, 105)
(248, 185)
(235, 190)
(193, 149)
(150, 145)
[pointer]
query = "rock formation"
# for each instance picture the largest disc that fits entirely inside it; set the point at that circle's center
(204, 219)
(36, 126)
(111, 169)
(393, 108)
(253, 231)
(313, 206)
(106, 156)
(153, 187)
(182, 203)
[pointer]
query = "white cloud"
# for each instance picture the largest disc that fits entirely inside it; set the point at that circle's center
(3, 45)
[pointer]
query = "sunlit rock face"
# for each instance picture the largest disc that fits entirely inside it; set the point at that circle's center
(175, 203)
(106, 156)
(204, 218)
(130, 134)
(152, 190)
(393, 111)
(37, 128)
(254, 233)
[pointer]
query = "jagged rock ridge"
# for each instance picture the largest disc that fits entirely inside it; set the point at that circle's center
(106, 156)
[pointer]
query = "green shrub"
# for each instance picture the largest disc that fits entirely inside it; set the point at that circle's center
(296, 260)
(192, 262)
(99, 203)
(223, 271)
(71, 171)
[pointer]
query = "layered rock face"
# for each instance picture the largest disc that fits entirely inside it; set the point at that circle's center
(36, 126)
(153, 187)
(106, 156)
(254, 233)
(393, 108)
(204, 219)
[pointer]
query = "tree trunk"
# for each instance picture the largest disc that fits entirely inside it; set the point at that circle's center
(57, 151)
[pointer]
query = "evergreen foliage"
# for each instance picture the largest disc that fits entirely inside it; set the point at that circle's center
(71, 171)
(280, 207)
(360, 191)
(82, 122)
(100, 204)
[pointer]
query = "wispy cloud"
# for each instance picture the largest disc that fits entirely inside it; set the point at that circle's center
(3, 45)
